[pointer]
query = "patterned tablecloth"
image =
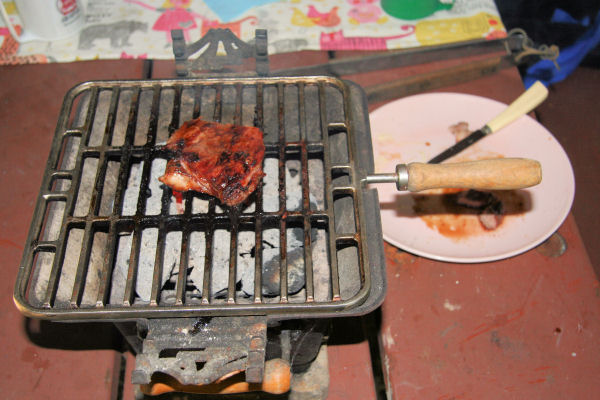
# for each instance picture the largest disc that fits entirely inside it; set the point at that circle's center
(141, 28)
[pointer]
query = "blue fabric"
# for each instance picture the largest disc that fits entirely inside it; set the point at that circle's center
(563, 17)
(229, 10)
(568, 60)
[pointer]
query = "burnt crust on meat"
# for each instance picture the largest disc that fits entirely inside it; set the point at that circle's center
(221, 160)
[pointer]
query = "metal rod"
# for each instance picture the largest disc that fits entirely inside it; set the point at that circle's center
(70, 203)
(126, 152)
(208, 238)
(231, 281)
(129, 296)
(332, 246)
(134, 257)
(107, 263)
(400, 58)
(258, 207)
(198, 90)
(381, 178)
(159, 260)
(82, 265)
(400, 178)
(283, 291)
(165, 203)
(234, 214)
(436, 79)
(308, 267)
(95, 201)
(147, 160)
(183, 257)
(237, 117)
(218, 105)
(103, 288)
(175, 114)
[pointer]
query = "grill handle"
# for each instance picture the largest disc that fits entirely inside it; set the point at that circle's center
(494, 174)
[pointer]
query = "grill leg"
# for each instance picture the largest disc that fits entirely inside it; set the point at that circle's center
(131, 333)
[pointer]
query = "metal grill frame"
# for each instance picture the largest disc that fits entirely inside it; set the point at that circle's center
(369, 247)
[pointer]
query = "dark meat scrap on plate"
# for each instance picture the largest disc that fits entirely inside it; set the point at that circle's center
(489, 207)
(460, 130)
(221, 160)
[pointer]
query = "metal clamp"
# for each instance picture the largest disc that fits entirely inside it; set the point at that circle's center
(520, 46)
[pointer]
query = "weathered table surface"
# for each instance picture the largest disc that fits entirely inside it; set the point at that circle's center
(523, 327)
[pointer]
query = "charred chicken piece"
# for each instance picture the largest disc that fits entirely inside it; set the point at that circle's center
(221, 160)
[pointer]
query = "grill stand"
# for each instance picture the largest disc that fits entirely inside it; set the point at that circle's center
(207, 349)
(203, 351)
(209, 355)
(107, 242)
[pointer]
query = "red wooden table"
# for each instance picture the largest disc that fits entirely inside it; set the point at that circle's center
(519, 328)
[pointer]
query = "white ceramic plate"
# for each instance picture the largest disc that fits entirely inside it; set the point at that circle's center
(416, 128)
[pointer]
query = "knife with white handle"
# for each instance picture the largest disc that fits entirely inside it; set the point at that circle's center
(529, 100)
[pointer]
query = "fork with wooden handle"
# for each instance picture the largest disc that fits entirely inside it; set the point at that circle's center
(493, 174)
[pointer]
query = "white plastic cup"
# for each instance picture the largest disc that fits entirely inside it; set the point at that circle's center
(45, 20)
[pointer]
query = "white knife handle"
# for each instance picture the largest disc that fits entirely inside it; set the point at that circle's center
(521, 106)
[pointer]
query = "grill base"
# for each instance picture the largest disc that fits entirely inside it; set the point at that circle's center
(201, 351)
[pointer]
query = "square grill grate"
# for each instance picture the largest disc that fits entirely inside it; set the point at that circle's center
(109, 241)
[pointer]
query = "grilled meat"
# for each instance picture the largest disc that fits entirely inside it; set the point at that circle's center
(221, 160)
(489, 207)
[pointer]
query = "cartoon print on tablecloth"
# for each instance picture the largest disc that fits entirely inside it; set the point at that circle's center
(283, 45)
(457, 29)
(66, 7)
(9, 48)
(234, 26)
(314, 17)
(127, 56)
(228, 10)
(266, 19)
(337, 41)
(175, 14)
(293, 25)
(365, 11)
(287, 45)
(118, 33)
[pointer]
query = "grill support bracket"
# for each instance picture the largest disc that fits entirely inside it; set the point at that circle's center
(212, 44)
(199, 351)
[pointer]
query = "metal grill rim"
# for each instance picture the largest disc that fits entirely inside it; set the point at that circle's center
(115, 221)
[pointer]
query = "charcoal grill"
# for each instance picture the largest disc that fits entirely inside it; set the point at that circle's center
(108, 242)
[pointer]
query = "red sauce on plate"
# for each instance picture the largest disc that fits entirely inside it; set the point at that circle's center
(439, 212)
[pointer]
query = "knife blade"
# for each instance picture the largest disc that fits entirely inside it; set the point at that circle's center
(526, 102)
